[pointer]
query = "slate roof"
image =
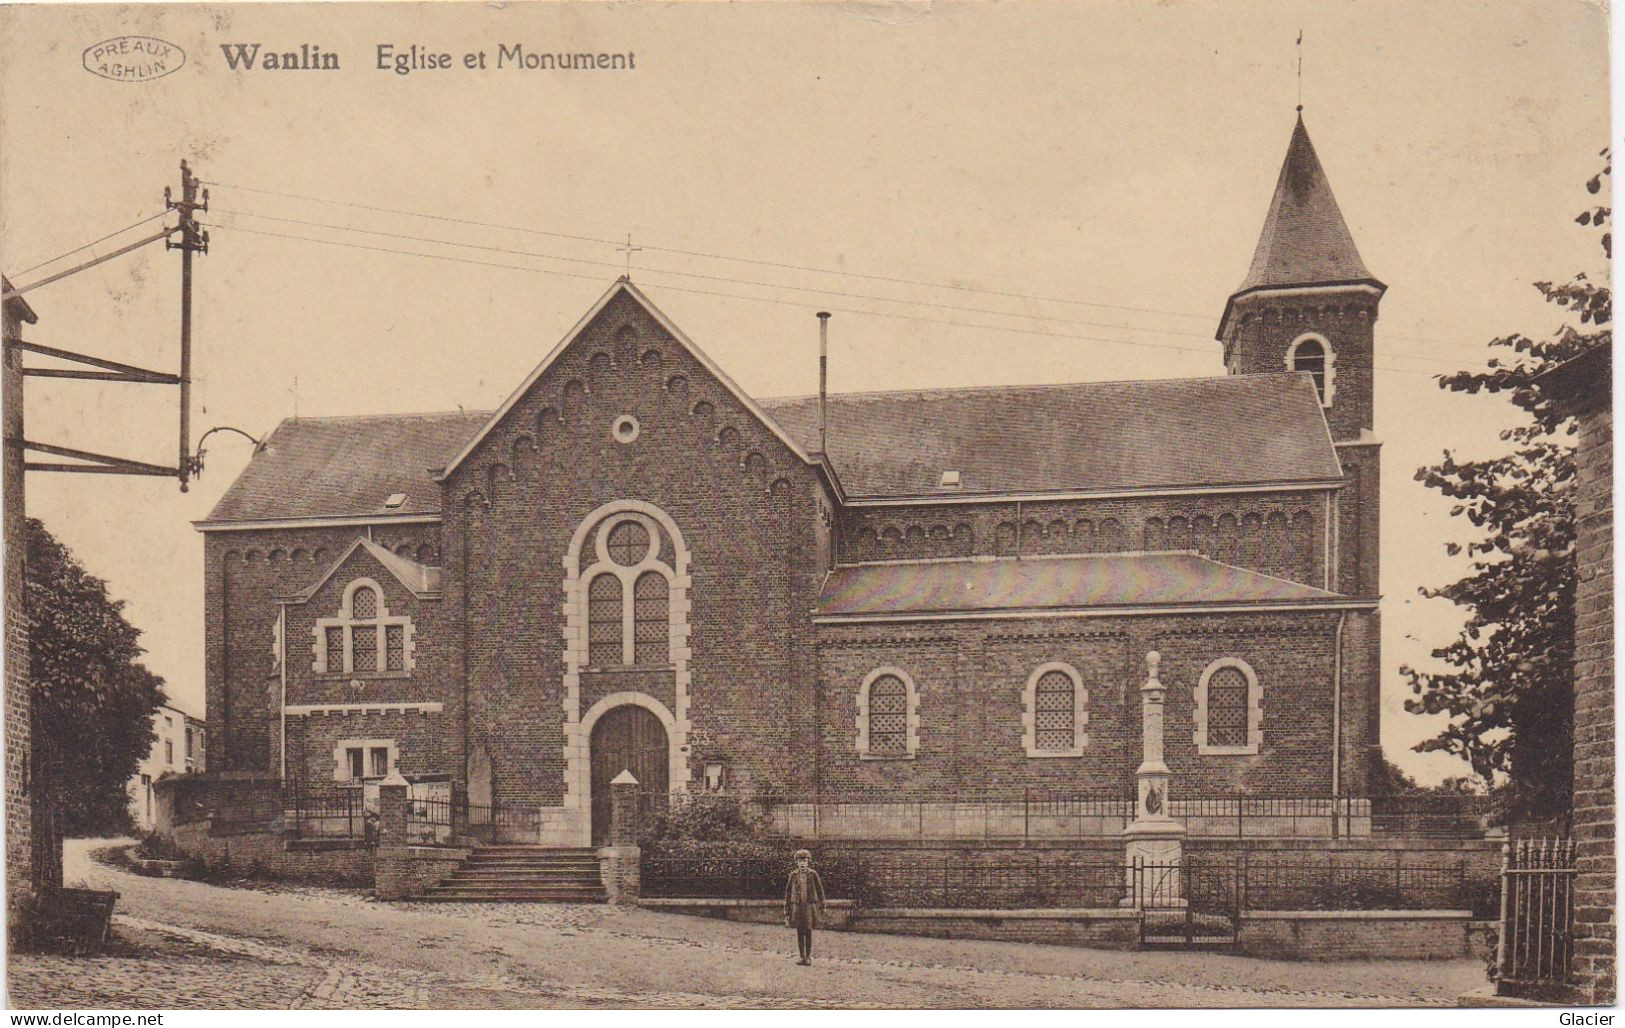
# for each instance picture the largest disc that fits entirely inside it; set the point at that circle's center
(1232, 430)
(1305, 240)
(1092, 580)
(325, 467)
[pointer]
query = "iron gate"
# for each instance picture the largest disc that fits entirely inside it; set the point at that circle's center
(1186, 906)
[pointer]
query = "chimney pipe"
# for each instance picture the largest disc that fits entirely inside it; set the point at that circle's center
(823, 381)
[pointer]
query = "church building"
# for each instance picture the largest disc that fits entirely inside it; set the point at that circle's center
(891, 597)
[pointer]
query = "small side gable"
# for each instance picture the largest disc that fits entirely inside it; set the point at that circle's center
(421, 581)
(622, 285)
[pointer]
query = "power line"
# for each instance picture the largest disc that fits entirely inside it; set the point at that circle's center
(756, 299)
(48, 279)
(92, 243)
(706, 255)
(765, 285)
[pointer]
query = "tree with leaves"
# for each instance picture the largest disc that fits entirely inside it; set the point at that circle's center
(1508, 692)
(92, 700)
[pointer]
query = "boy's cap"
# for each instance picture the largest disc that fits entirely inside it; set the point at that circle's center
(803, 854)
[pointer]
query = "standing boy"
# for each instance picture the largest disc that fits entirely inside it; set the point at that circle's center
(803, 903)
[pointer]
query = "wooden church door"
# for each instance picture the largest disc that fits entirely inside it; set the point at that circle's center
(631, 739)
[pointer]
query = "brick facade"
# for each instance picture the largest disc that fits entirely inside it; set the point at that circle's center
(1584, 386)
(744, 672)
(627, 459)
(19, 838)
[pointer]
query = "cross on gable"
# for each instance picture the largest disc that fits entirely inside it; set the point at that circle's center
(629, 250)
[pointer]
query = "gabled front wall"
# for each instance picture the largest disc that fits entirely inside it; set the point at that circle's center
(419, 733)
(970, 677)
(738, 688)
(245, 572)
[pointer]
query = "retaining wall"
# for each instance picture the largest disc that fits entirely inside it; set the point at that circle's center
(271, 855)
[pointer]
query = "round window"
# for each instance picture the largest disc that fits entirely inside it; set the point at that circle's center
(625, 429)
(628, 543)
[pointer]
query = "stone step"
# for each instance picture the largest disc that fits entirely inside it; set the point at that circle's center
(523, 873)
(550, 861)
(457, 885)
(530, 874)
(447, 897)
(509, 888)
(538, 881)
(529, 847)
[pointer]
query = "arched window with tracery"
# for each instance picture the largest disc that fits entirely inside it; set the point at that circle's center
(364, 638)
(604, 619)
(651, 618)
(628, 600)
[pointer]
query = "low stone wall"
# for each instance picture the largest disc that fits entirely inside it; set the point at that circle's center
(1362, 935)
(1100, 929)
(270, 855)
(1280, 935)
(838, 914)
(401, 872)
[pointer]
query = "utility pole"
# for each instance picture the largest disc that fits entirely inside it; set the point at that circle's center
(31, 815)
(192, 240)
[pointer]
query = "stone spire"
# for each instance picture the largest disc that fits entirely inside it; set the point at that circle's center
(1305, 240)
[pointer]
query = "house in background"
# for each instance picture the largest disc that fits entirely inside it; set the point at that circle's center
(176, 749)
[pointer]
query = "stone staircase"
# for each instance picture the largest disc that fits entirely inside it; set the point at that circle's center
(523, 874)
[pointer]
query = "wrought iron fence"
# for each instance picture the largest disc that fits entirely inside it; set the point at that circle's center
(430, 821)
(1352, 880)
(448, 819)
(496, 821)
(1536, 945)
(880, 815)
(1033, 814)
(333, 814)
(1430, 816)
(1214, 884)
(1018, 881)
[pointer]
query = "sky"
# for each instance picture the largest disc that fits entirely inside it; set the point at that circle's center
(983, 194)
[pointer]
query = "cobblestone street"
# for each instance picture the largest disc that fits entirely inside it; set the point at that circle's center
(191, 945)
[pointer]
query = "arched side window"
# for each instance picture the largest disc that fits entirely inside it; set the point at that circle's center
(888, 716)
(365, 638)
(651, 619)
(1055, 709)
(604, 616)
(628, 595)
(1313, 354)
(1228, 709)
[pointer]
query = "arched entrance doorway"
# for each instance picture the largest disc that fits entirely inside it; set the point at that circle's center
(626, 738)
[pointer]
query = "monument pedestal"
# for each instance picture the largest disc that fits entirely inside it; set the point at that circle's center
(1153, 843)
(1154, 855)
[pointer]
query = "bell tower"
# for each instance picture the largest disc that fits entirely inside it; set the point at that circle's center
(1308, 303)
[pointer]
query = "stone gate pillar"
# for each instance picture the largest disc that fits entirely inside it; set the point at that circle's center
(621, 862)
(1153, 843)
